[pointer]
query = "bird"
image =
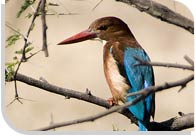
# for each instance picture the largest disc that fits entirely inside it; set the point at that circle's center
(123, 75)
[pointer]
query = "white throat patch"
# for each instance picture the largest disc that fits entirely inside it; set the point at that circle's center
(104, 42)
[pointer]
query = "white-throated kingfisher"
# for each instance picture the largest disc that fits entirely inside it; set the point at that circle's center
(122, 74)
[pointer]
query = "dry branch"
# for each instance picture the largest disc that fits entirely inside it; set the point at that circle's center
(61, 14)
(44, 27)
(23, 58)
(62, 91)
(162, 12)
(174, 124)
(95, 100)
(71, 94)
(29, 30)
(169, 65)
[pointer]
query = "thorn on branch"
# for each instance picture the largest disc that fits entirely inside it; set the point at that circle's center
(189, 60)
(43, 80)
(181, 113)
(51, 121)
(67, 97)
(166, 84)
(52, 4)
(182, 87)
(88, 92)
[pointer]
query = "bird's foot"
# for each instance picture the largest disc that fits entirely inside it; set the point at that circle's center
(111, 102)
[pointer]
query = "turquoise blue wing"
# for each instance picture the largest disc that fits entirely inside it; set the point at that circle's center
(139, 77)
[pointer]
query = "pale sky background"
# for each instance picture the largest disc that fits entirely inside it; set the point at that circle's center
(79, 66)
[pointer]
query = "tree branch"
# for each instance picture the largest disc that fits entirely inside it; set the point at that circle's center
(62, 91)
(23, 58)
(44, 27)
(29, 30)
(174, 124)
(71, 94)
(143, 93)
(61, 14)
(181, 66)
(95, 100)
(162, 12)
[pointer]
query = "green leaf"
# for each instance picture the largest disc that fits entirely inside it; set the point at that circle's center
(11, 64)
(9, 76)
(10, 67)
(25, 5)
(28, 49)
(19, 51)
(12, 39)
(29, 15)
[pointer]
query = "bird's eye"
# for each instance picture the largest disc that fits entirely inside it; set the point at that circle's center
(103, 27)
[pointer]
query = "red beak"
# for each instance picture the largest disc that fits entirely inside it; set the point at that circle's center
(82, 36)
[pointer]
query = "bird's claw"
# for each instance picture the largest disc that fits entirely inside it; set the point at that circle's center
(111, 102)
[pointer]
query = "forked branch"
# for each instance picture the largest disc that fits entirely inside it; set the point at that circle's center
(95, 100)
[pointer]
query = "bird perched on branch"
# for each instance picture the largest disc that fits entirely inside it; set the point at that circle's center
(122, 74)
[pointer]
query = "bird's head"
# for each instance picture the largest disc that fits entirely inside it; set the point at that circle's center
(106, 28)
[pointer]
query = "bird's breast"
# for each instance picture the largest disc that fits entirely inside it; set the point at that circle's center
(115, 80)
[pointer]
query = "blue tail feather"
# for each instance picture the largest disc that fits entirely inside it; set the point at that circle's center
(142, 127)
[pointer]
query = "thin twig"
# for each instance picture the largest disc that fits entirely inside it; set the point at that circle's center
(97, 5)
(23, 58)
(180, 66)
(60, 14)
(182, 82)
(33, 54)
(189, 60)
(18, 32)
(19, 101)
(32, 8)
(51, 122)
(29, 30)
(44, 28)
